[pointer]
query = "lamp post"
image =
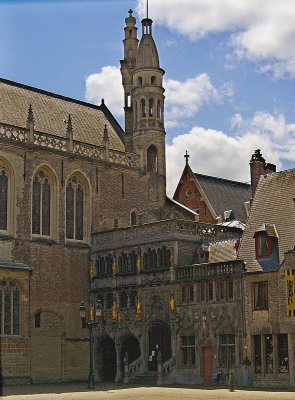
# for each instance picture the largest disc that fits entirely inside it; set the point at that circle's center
(94, 315)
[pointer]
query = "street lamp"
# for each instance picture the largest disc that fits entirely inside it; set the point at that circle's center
(94, 315)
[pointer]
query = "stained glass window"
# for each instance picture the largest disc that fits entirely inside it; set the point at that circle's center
(41, 204)
(74, 209)
(3, 198)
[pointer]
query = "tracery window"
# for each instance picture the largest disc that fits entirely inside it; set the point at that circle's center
(41, 202)
(3, 197)
(9, 309)
(74, 209)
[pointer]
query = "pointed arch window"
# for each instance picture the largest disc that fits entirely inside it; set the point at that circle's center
(133, 218)
(41, 201)
(4, 181)
(152, 159)
(9, 309)
(75, 200)
(159, 110)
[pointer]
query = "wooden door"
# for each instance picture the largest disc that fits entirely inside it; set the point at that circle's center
(208, 364)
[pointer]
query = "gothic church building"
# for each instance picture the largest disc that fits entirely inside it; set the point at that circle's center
(79, 194)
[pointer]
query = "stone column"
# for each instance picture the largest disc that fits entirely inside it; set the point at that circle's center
(119, 374)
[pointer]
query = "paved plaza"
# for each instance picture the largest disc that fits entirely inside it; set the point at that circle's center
(77, 392)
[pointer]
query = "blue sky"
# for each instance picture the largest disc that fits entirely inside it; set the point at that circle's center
(230, 70)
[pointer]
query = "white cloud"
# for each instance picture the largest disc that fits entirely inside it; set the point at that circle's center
(259, 32)
(216, 153)
(184, 99)
(107, 85)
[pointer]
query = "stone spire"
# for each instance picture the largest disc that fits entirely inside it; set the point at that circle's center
(70, 134)
(30, 123)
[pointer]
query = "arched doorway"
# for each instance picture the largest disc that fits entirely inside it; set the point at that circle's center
(107, 359)
(159, 340)
(130, 346)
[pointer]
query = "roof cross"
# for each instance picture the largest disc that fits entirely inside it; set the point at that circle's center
(186, 156)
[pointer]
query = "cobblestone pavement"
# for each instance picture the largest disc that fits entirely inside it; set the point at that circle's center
(77, 392)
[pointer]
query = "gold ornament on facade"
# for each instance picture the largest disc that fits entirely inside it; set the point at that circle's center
(138, 264)
(114, 266)
(114, 311)
(172, 260)
(90, 271)
(172, 304)
(91, 312)
(138, 309)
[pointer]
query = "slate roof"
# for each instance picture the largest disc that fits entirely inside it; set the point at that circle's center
(224, 195)
(52, 110)
(272, 204)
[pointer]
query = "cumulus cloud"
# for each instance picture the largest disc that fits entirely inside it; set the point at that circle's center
(107, 85)
(216, 153)
(219, 154)
(258, 33)
(184, 99)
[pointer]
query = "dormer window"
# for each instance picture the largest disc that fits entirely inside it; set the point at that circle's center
(262, 245)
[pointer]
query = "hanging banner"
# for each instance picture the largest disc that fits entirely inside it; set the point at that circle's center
(290, 292)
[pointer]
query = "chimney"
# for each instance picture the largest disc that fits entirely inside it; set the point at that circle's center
(258, 167)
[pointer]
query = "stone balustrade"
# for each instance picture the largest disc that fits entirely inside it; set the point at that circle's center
(161, 230)
(209, 270)
(58, 143)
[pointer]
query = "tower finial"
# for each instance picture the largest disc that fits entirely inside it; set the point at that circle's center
(130, 12)
(147, 8)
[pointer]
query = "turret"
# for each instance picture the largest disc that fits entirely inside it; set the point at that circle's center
(144, 123)
(128, 65)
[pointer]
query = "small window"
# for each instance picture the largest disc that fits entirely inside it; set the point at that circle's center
(188, 351)
(152, 159)
(123, 300)
(139, 81)
(210, 291)
(283, 355)
(227, 350)
(9, 309)
(260, 295)
(153, 80)
(268, 353)
(38, 320)
(257, 355)
(187, 294)
(262, 245)
(133, 218)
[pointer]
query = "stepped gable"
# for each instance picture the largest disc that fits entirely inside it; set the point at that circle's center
(224, 194)
(51, 112)
(273, 204)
